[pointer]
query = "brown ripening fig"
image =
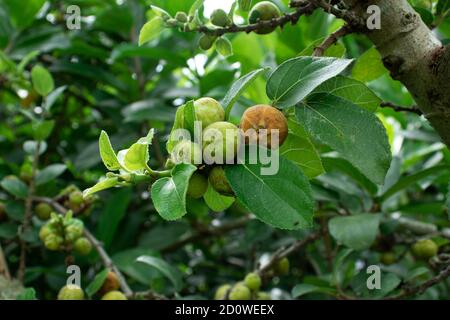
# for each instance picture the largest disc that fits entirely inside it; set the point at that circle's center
(264, 117)
(111, 283)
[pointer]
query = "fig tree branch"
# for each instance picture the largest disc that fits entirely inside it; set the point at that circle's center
(107, 261)
(332, 39)
(401, 108)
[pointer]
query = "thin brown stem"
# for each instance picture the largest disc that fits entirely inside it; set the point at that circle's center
(4, 270)
(332, 39)
(400, 108)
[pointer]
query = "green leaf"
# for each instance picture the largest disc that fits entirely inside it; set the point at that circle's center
(352, 90)
(169, 194)
(43, 129)
(448, 201)
(14, 186)
(27, 294)
(407, 181)
(23, 15)
(443, 7)
(112, 215)
(389, 281)
(357, 232)
(369, 66)
(338, 50)
(160, 12)
(296, 78)
(151, 30)
(42, 80)
(137, 156)
(8, 230)
(166, 269)
(107, 153)
(53, 97)
(102, 185)
(283, 200)
(305, 288)
(217, 202)
(195, 6)
(49, 173)
(237, 88)
(303, 153)
(189, 116)
(97, 283)
(224, 47)
(357, 134)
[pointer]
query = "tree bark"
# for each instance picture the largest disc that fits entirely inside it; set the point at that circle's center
(414, 56)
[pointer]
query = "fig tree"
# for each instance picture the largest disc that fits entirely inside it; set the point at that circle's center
(240, 292)
(263, 121)
(425, 249)
(43, 211)
(253, 281)
(264, 11)
(222, 291)
(220, 143)
(220, 18)
(219, 181)
(114, 295)
(82, 246)
(197, 186)
(208, 111)
(71, 292)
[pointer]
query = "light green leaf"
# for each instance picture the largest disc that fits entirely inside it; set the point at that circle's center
(43, 129)
(151, 30)
(169, 194)
(238, 87)
(137, 155)
(224, 47)
(283, 200)
(53, 97)
(294, 79)
(357, 232)
(14, 186)
(97, 283)
(357, 134)
(369, 66)
(195, 6)
(42, 80)
(303, 153)
(102, 185)
(50, 173)
(31, 146)
(166, 269)
(352, 90)
(217, 202)
(160, 12)
(27, 294)
(107, 153)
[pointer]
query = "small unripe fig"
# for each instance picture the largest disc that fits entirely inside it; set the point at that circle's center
(181, 17)
(43, 211)
(82, 246)
(26, 172)
(283, 267)
(53, 242)
(187, 152)
(220, 18)
(71, 292)
(264, 11)
(114, 295)
(425, 249)
(111, 283)
(74, 230)
(208, 111)
(197, 186)
(264, 117)
(220, 143)
(206, 42)
(76, 198)
(253, 281)
(219, 181)
(263, 296)
(45, 231)
(172, 22)
(222, 291)
(240, 292)
(388, 258)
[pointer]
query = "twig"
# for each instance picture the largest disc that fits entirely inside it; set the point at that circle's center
(400, 108)
(4, 270)
(28, 215)
(412, 291)
(274, 23)
(285, 252)
(356, 22)
(332, 39)
(208, 232)
(107, 261)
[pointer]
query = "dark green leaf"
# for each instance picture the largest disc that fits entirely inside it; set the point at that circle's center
(50, 173)
(97, 283)
(14, 186)
(166, 269)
